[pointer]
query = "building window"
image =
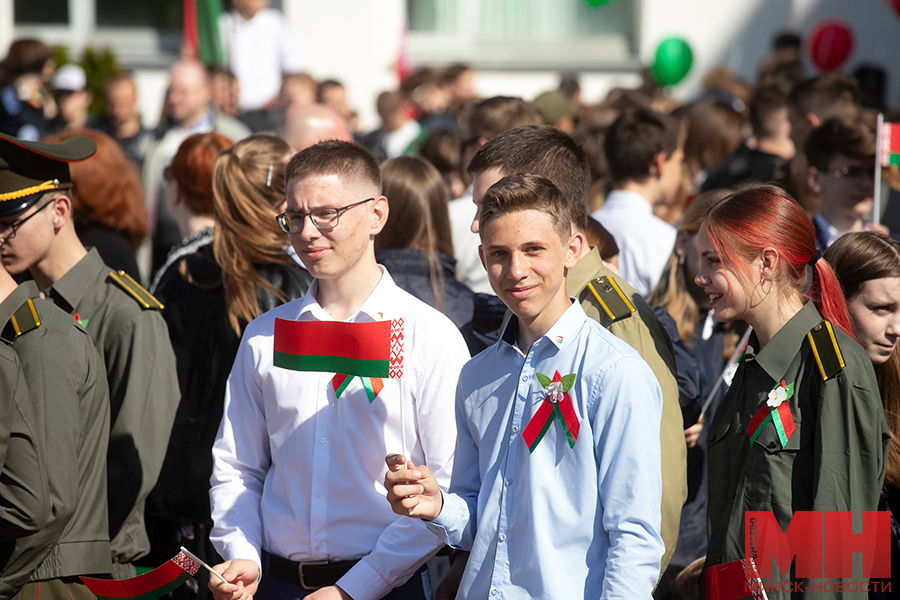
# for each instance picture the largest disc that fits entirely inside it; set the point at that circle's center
(523, 33)
(45, 12)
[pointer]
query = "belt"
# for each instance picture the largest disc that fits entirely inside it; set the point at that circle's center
(310, 575)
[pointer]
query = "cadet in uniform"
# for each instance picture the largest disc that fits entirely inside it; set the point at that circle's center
(124, 323)
(802, 427)
(24, 490)
(68, 389)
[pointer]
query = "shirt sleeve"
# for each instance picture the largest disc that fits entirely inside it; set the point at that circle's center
(241, 459)
(144, 397)
(627, 448)
(851, 416)
(456, 525)
(24, 488)
(406, 544)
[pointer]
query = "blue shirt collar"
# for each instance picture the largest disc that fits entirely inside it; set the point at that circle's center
(559, 334)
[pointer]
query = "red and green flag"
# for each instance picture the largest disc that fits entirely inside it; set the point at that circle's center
(890, 144)
(776, 410)
(737, 580)
(156, 583)
(201, 30)
(557, 406)
(370, 351)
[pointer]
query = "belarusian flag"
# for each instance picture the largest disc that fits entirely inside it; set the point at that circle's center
(156, 583)
(201, 30)
(890, 144)
(370, 351)
(737, 580)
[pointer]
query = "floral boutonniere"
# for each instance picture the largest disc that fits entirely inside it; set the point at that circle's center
(556, 404)
(776, 410)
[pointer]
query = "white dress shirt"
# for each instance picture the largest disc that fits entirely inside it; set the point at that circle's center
(299, 473)
(645, 241)
(259, 52)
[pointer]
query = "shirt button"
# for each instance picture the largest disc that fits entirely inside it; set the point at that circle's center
(502, 537)
(319, 493)
(494, 592)
(733, 494)
(739, 430)
(322, 440)
(509, 482)
(772, 445)
(524, 380)
(319, 546)
(515, 429)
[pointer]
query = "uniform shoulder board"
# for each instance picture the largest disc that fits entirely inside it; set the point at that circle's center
(22, 321)
(134, 289)
(826, 350)
(607, 296)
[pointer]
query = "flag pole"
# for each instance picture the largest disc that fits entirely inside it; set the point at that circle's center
(879, 149)
(402, 424)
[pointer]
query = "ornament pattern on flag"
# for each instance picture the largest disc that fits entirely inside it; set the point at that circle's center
(396, 369)
(186, 562)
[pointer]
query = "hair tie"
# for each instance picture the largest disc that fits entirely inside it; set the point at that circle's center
(269, 178)
(814, 259)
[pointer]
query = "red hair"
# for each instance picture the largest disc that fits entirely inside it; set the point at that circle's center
(106, 188)
(764, 216)
(192, 169)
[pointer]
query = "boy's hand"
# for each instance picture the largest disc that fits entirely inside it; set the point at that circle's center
(243, 578)
(412, 491)
(692, 433)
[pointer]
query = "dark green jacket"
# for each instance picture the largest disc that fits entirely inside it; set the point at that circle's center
(124, 322)
(834, 461)
(24, 488)
(71, 404)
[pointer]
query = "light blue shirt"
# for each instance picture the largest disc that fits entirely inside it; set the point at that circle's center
(560, 522)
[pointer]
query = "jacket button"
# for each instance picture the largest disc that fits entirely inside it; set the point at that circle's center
(772, 445)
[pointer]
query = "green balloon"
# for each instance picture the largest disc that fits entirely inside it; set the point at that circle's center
(596, 3)
(673, 61)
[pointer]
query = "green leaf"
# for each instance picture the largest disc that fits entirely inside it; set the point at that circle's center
(568, 381)
(543, 379)
(790, 390)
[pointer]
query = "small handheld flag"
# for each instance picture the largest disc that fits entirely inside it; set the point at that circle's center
(156, 583)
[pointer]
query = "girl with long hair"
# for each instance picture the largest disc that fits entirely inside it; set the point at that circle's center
(415, 245)
(801, 427)
(868, 266)
(210, 294)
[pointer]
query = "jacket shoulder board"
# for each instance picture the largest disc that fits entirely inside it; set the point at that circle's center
(134, 289)
(607, 296)
(22, 321)
(826, 350)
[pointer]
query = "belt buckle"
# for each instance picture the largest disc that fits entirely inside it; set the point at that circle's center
(314, 563)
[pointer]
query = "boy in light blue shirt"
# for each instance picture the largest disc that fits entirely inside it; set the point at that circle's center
(556, 482)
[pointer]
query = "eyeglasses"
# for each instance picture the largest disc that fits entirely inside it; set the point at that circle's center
(325, 219)
(855, 172)
(13, 227)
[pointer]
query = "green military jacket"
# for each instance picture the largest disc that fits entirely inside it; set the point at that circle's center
(71, 404)
(24, 488)
(834, 460)
(124, 322)
(642, 330)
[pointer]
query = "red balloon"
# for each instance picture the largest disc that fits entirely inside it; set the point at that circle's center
(830, 43)
(895, 4)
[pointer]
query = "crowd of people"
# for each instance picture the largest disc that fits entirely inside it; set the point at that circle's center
(614, 329)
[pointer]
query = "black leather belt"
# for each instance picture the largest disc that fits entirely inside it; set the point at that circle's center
(310, 575)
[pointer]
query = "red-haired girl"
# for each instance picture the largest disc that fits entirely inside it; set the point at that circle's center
(802, 427)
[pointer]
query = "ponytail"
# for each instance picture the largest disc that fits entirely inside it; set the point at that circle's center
(826, 293)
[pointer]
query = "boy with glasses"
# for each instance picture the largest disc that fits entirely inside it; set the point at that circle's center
(297, 496)
(841, 157)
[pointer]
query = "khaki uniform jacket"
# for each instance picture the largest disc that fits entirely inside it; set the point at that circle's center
(643, 332)
(131, 336)
(24, 488)
(835, 459)
(71, 404)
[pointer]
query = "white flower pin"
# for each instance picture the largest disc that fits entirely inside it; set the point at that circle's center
(555, 391)
(780, 394)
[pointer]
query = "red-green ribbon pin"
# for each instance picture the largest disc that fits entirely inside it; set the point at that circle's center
(557, 404)
(777, 411)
